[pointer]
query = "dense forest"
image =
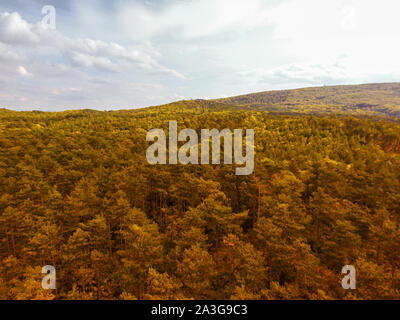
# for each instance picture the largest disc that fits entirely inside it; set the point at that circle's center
(76, 192)
(377, 100)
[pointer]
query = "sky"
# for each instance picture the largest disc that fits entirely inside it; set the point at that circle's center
(122, 54)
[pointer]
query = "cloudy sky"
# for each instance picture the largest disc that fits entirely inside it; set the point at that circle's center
(134, 53)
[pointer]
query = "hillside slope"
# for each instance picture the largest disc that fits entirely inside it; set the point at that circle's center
(77, 192)
(381, 100)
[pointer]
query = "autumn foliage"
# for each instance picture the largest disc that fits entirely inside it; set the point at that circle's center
(77, 192)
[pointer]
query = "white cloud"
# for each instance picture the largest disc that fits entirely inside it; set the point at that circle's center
(15, 30)
(6, 54)
(296, 75)
(193, 19)
(104, 56)
(23, 72)
(221, 46)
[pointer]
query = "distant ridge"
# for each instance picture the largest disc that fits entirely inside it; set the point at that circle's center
(375, 99)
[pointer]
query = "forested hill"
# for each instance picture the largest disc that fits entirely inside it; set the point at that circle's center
(359, 100)
(379, 100)
(77, 192)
